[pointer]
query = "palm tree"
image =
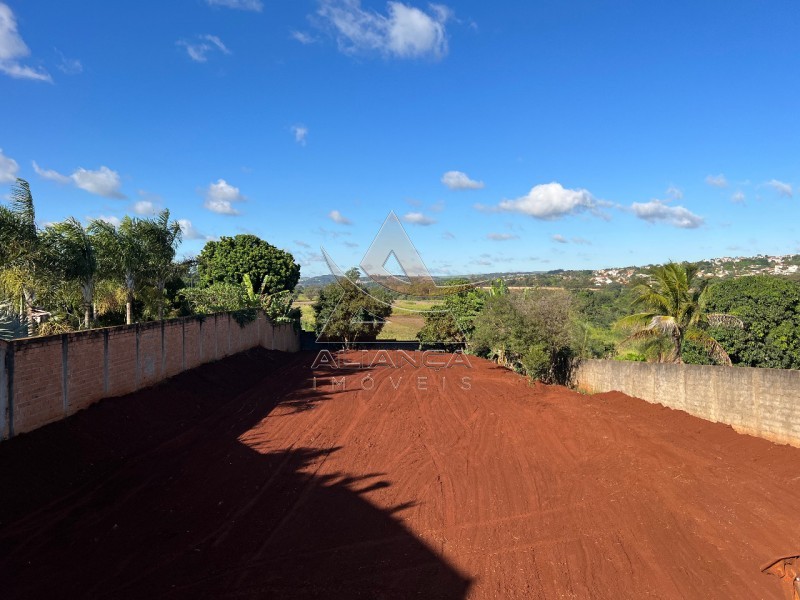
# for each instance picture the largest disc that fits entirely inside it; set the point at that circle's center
(277, 306)
(20, 250)
(674, 301)
(74, 257)
(109, 297)
(163, 238)
(123, 255)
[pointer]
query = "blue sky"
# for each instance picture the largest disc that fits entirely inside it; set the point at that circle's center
(508, 136)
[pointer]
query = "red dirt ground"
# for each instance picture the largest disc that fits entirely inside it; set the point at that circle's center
(238, 480)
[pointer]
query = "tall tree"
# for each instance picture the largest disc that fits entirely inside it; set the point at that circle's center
(230, 258)
(72, 254)
(453, 321)
(21, 258)
(347, 313)
(674, 303)
(123, 255)
(162, 239)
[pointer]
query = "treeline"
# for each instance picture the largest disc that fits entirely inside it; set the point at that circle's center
(68, 276)
(672, 315)
(768, 307)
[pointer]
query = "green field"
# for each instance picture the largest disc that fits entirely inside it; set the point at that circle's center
(413, 305)
(404, 323)
(307, 315)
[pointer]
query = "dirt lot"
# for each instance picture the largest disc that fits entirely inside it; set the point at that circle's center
(239, 480)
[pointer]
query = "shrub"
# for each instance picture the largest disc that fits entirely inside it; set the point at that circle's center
(530, 333)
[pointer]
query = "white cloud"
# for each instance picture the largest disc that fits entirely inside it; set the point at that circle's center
(656, 211)
(784, 189)
(339, 218)
(300, 134)
(406, 32)
(308, 259)
(482, 262)
(102, 182)
(717, 181)
(738, 197)
(448, 236)
(13, 48)
(50, 174)
(217, 42)
(145, 207)
(8, 168)
(576, 240)
(417, 218)
(302, 244)
(331, 234)
(69, 66)
(18, 71)
(303, 37)
(115, 221)
(252, 5)
(190, 232)
(456, 180)
(220, 197)
(501, 237)
(551, 201)
(198, 51)
(675, 192)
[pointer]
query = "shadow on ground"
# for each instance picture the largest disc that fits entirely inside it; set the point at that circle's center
(152, 495)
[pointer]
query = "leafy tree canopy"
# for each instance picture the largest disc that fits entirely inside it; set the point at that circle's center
(228, 260)
(454, 319)
(345, 313)
(769, 306)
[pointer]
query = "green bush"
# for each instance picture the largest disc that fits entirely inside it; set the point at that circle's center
(531, 333)
(536, 362)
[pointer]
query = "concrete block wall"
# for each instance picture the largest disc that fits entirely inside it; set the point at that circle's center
(760, 402)
(49, 378)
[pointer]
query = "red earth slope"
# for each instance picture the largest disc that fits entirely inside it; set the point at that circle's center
(239, 480)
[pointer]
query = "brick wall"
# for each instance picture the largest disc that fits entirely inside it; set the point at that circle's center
(760, 402)
(5, 360)
(49, 378)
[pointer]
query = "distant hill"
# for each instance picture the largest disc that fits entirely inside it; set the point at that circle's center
(320, 280)
(786, 265)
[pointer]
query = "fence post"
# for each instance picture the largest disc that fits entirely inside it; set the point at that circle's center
(65, 372)
(7, 389)
(105, 361)
(4, 391)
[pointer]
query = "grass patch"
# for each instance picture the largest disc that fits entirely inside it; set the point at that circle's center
(413, 304)
(403, 325)
(307, 320)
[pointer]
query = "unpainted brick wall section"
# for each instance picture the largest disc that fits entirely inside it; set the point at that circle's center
(759, 402)
(49, 378)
